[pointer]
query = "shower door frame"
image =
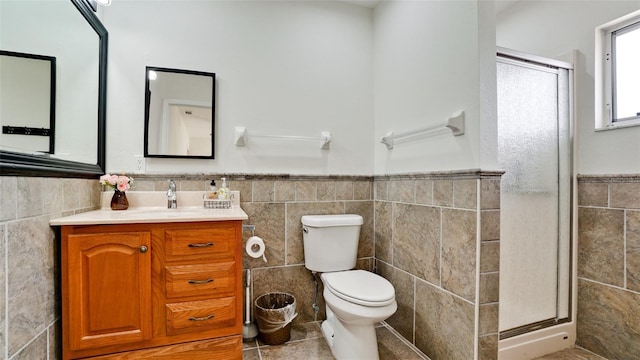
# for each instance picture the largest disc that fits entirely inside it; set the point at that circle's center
(546, 336)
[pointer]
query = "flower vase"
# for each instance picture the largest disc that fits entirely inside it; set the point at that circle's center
(119, 201)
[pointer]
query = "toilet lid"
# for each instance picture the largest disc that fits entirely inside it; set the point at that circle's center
(360, 287)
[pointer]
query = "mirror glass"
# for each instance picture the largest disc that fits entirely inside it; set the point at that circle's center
(179, 113)
(69, 32)
(27, 104)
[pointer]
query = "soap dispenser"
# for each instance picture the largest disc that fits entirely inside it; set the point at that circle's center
(223, 190)
(213, 190)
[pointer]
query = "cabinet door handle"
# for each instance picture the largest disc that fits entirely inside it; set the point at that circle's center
(143, 249)
(201, 318)
(200, 245)
(200, 281)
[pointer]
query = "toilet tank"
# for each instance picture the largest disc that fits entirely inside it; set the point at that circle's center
(331, 241)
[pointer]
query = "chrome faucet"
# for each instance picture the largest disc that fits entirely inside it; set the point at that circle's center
(172, 196)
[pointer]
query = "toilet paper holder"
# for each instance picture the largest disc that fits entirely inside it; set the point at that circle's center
(249, 227)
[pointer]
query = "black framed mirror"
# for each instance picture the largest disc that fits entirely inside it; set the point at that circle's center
(73, 34)
(179, 113)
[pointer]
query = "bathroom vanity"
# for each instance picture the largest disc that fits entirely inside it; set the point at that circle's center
(152, 283)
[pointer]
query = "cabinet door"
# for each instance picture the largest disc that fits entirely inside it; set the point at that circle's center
(109, 289)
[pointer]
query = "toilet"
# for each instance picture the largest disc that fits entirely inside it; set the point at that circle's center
(355, 299)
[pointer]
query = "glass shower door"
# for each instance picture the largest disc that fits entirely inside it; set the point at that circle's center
(534, 151)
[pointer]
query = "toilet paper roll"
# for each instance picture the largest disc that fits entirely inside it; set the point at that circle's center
(255, 248)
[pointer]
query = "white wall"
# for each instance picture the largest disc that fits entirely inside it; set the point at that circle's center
(286, 68)
(430, 58)
(553, 29)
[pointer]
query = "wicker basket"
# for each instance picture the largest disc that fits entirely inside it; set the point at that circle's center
(274, 314)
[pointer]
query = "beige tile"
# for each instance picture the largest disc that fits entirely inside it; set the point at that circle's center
(445, 323)
(305, 190)
(465, 194)
(416, 240)
(593, 194)
(381, 192)
(344, 190)
(195, 185)
(269, 220)
(31, 282)
(488, 347)
(251, 354)
(633, 250)
(489, 287)
(489, 256)
(459, 252)
(572, 354)
(402, 191)
(298, 350)
(362, 190)
(144, 185)
(488, 319)
(262, 190)
(8, 197)
(443, 192)
(54, 201)
(403, 283)
(490, 194)
(326, 190)
(36, 349)
(285, 190)
(55, 344)
(244, 186)
(601, 245)
(390, 347)
(490, 224)
(3, 282)
(424, 191)
(30, 195)
(384, 231)
(624, 195)
(608, 320)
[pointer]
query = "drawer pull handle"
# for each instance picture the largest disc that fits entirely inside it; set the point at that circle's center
(201, 318)
(201, 245)
(200, 281)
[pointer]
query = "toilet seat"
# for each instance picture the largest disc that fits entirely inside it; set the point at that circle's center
(360, 287)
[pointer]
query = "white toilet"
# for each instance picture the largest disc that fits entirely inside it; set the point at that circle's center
(356, 299)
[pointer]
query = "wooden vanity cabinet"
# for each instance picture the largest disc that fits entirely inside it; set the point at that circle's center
(160, 291)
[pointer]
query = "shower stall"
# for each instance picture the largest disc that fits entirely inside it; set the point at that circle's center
(535, 151)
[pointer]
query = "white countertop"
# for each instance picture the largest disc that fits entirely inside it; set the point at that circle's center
(143, 209)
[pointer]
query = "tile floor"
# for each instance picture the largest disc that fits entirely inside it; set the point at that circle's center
(307, 343)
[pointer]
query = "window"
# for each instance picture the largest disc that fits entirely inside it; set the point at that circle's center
(618, 49)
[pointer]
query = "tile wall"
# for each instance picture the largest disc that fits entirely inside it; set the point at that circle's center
(29, 287)
(427, 240)
(422, 228)
(609, 265)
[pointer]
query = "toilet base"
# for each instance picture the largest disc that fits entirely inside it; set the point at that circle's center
(351, 342)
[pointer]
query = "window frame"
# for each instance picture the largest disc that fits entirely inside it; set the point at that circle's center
(605, 71)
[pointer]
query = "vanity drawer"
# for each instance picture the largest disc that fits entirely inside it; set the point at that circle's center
(215, 241)
(201, 315)
(200, 279)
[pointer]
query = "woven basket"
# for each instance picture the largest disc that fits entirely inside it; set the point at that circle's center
(274, 314)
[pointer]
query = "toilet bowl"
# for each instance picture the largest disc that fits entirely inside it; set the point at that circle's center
(355, 299)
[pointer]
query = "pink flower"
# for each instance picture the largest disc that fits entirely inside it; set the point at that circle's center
(123, 183)
(117, 182)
